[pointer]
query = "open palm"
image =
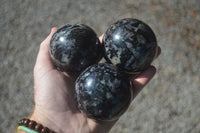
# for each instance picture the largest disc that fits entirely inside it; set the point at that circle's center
(55, 105)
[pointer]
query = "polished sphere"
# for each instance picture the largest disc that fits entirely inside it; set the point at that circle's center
(75, 47)
(130, 44)
(102, 92)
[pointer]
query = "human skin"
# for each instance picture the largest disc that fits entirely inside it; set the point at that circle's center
(55, 106)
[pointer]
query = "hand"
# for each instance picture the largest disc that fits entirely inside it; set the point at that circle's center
(54, 96)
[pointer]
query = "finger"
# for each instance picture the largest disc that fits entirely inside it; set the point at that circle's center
(139, 82)
(100, 126)
(101, 38)
(158, 52)
(43, 58)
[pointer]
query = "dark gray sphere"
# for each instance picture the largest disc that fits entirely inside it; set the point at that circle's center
(130, 44)
(102, 92)
(75, 47)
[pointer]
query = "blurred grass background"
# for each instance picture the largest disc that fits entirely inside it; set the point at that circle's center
(170, 103)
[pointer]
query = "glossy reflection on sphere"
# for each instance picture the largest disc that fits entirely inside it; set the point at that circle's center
(102, 92)
(130, 44)
(75, 47)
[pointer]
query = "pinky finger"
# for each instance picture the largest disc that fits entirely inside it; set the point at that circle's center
(141, 80)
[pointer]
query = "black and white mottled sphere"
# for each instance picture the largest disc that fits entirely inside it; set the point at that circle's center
(130, 44)
(102, 92)
(75, 47)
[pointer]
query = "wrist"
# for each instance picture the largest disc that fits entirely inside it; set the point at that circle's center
(43, 119)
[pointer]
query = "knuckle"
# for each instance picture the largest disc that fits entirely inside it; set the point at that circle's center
(42, 45)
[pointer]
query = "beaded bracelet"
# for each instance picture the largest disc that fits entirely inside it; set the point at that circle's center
(31, 126)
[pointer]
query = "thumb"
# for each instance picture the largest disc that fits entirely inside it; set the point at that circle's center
(43, 61)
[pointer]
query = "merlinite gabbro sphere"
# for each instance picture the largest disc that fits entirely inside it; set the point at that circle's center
(130, 44)
(102, 92)
(75, 47)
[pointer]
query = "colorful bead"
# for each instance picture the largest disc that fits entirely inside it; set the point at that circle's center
(31, 126)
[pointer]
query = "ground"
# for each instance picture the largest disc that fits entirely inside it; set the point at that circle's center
(169, 103)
